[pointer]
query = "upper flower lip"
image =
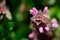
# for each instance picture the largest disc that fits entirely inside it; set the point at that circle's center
(45, 10)
(33, 11)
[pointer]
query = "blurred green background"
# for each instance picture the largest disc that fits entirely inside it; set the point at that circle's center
(18, 28)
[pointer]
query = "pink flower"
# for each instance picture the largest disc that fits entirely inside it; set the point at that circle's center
(4, 10)
(47, 28)
(3, 7)
(41, 30)
(54, 23)
(31, 35)
(45, 10)
(33, 11)
(3, 2)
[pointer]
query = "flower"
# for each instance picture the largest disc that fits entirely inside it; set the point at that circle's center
(41, 30)
(47, 28)
(45, 10)
(31, 35)
(4, 10)
(54, 23)
(33, 11)
(3, 7)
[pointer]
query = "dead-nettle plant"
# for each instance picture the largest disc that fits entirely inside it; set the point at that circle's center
(4, 11)
(41, 25)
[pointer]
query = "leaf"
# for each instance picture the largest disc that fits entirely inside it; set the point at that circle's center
(10, 25)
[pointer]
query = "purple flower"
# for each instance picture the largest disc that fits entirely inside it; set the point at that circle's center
(31, 35)
(54, 23)
(41, 30)
(2, 10)
(33, 11)
(2, 7)
(45, 10)
(47, 28)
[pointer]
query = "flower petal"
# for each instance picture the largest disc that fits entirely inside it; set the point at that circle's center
(54, 25)
(8, 15)
(54, 21)
(41, 30)
(45, 10)
(47, 28)
(33, 11)
(31, 35)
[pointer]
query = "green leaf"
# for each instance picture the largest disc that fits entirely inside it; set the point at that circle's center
(10, 25)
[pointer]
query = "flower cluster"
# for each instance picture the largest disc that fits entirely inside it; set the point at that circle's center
(41, 22)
